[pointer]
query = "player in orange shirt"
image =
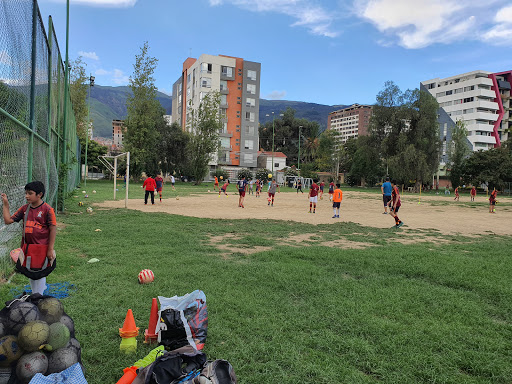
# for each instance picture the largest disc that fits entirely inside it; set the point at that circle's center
(337, 196)
(216, 184)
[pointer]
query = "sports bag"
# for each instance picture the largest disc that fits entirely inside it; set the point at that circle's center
(217, 372)
(32, 259)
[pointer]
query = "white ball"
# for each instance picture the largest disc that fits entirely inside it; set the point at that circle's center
(146, 276)
(83, 192)
(89, 210)
(93, 191)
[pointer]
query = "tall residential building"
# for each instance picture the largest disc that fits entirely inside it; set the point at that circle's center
(117, 134)
(350, 122)
(238, 82)
(481, 99)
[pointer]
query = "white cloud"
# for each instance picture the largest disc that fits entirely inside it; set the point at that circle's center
(5, 58)
(116, 76)
(306, 13)
(418, 23)
(501, 32)
(276, 95)
(89, 55)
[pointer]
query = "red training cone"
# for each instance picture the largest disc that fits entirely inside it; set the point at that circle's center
(129, 329)
(150, 333)
(130, 374)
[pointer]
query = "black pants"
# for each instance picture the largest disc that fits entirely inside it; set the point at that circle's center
(299, 189)
(152, 197)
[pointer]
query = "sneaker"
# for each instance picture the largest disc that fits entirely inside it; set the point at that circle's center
(334, 216)
(310, 211)
(338, 216)
(314, 211)
(268, 203)
(400, 224)
(242, 206)
(384, 213)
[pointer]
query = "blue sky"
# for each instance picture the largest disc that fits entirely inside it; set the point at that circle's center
(321, 51)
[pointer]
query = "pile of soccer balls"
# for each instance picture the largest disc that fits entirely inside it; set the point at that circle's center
(36, 337)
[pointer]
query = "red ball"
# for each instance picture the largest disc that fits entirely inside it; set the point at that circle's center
(146, 276)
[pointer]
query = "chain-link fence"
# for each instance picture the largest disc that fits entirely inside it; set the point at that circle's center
(38, 139)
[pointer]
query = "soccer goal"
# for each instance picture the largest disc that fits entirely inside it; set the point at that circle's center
(112, 167)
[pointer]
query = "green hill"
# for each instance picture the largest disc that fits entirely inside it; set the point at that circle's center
(109, 103)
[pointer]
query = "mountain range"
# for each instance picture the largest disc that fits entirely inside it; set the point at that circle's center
(109, 103)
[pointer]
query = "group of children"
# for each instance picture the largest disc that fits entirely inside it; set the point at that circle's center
(150, 185)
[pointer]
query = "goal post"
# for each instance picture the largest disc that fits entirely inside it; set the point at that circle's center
(113, 168)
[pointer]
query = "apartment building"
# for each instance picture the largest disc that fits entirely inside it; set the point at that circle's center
(117, 134)
(481, 99)
(350, 122)
(238, 82)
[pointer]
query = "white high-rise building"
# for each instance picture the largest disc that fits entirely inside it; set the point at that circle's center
(470, 97)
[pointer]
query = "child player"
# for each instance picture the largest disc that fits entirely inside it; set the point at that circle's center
(456, 194)
(337, 196)
(216, 184)
(322, 185)
(395, 204)
(149, 185)
(242, 188)
(313, 195)
(159, 185)
(331, 190)
(258, 187)
(473, 193)
(39, 226)
(224, 188)
(492, 201)
(272, 191)
(299, 185)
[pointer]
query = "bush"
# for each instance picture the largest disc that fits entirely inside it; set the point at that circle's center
(245, 173)
(262, 174)
(221, 172)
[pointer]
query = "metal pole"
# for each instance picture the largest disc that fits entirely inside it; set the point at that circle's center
(127, 178)
(32, 123)
(65, 127)
(298, 159)
(87, 130)
(273, 118)
(115, 176)
(50, 133)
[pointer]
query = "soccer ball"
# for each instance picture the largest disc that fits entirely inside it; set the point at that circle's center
(222, 177)
(59, 336)
(80, 204)
(33, 335)
(208, 191)
(146, 276)
(61, 359)
(89, 210)
(29, 365)
(93, 191)
(3, 328)
(68, 322)
(269, 175)
(269, 199)
(9, 350)
(177, 198)
(84, 192)
(74, 344)
(51, 310)
(20, 314)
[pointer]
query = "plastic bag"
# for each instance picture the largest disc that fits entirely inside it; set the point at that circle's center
(183, 320)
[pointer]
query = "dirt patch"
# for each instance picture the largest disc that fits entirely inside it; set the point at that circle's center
(450, 218)
(346, 244)
(229, 249)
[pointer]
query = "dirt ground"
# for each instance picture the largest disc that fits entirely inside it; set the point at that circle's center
(434, 212)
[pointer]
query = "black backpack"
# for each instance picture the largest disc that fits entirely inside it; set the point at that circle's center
(173, 367)
(217, 372)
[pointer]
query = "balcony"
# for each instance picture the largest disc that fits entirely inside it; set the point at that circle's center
(227, 76)
(224, 105)
(482, 139)
(224, 90)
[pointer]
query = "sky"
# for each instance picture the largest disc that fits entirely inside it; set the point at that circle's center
(320, 51)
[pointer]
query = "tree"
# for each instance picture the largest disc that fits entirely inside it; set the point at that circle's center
(492, 167)
(172, 145)
(366, 166)
(405, 123)
(328, 154)
(93, 152)
(145, 115)
(204, 126)
(78, 93)
(247, 173)
(458, 150)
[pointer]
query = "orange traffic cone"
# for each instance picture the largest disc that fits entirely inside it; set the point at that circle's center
(130, 373)
(129, 329)
(150, 333)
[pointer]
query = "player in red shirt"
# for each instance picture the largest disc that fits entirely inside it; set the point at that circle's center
(473, 193)
(159, 185)
(322, 185)
(39, 226)
(456, 194)
(149, 185)
(492, 201)
(313, 195)
(331, 190)
(224, 188)
(396, 203)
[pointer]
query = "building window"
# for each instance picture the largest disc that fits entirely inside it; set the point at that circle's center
(206, 67)
(249, 116)
(251, 88)
(224, 142)
(276, 165)
(249, 130)
(249, 144)
(227, 71)
(206, 82)
(223, 85)
(188, 78)
(250, 102)
(251, 75)
(248, 157)
(180, 87)
(223, 100)
(449, 92)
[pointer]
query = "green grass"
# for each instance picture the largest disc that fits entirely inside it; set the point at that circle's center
(390, 313)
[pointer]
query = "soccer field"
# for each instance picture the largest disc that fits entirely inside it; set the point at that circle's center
(337, 302)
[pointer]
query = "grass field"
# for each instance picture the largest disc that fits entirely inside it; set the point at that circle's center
(287, 302)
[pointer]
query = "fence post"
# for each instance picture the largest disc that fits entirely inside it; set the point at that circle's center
(32, 122)
(50, 133)
(65, 126)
